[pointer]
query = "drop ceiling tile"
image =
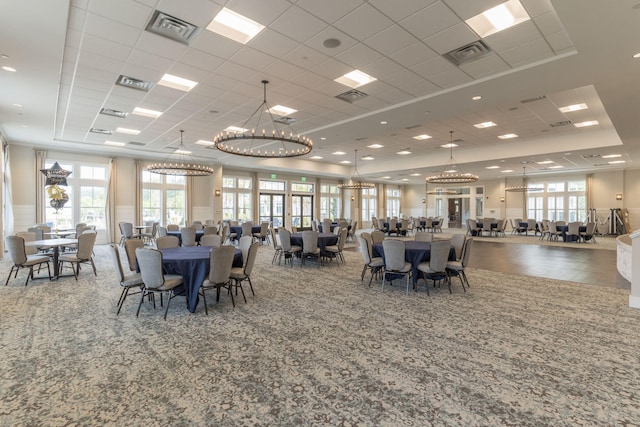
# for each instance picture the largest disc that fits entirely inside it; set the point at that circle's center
(465, 9)
(316, 42)
(77, 17)
(402, 78)
(298, 24)
(150, 61)
(332, 69)
(105, 47)
(382, 67)
(137, 14)
(161, 46)
(215, 44)
(309, 80)
(329, 10)
(400, 10)
(358, 56)
(363, 22)
(252, 58)
(200, 59)
(92, 59)
(284, 69)
(390, 40)
(196, 12)
(430, 20)
(111, 30)
(549, 23)
(452, 38)
(527, 53)
(421, 88)
(414, 54)
(560, 42)
(485, 66)
(537, 7)
(450, 78)
(264, 12)
(305, 56)
(142, 73)
(393, 95)
(513, 37)
(272, 43)
(432, 67)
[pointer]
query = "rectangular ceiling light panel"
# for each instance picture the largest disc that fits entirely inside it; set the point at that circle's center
(498, 18)
(234, 26)
(355, 79)
(176, 82)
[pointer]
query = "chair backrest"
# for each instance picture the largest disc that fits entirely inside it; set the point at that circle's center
(486, 223)
(173, 227)
(380, 223)
(500, 225)
(274, 237)
(531, 224)
(553, 227)
(457, 241)
(211, 240)
(85, 245)
(424, 236)
(130, 247)
(264, 229)
(16, 248)
(37, 231)
(197, 225)
(336, 230)
(285, 239)
(342, 238)
(466, 252)
(224, 231)
(209, 222)
(246, 229)
(244, 243)
(574, 228)
(210, 229)
(162, 231)
(44, 227)
(393, 254)
(117, 264)
(326, 225)
(561, 223)
(439, 255)
(404, 224)
(220, 264)
(314, 225)
(354, 227)
(363, 248)
(167, 242)
(393, 224)
(309, 241)
(150, 262)
(188, 235)
(251, 258)
(377, 236)
(591, 228)
(28, 236)
(127, 230)
(367, 236)
(233, 223)
(80, 228)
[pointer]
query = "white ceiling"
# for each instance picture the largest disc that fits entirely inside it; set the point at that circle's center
(69, 54)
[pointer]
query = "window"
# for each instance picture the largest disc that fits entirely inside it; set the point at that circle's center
(163, 198)
(329, 201)
(87, 192)
(236, 198)
(299, 187)
(393, 202)
(535, 208)
(369, 204)
(561, 201)
(272, 185)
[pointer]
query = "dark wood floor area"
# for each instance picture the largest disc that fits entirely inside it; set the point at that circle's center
(590, 266)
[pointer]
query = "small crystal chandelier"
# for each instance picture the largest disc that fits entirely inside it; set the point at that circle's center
(270, 143)
(524, 187)
(452, 174)
(355, 181)
(181, 166)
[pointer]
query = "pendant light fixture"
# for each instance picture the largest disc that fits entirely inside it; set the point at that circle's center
(525, 187)
(184, 165)
(452, 174)
(355, 181)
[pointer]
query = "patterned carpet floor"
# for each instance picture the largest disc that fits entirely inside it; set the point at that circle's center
(317, 347)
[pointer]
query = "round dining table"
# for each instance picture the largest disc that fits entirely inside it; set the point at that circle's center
(199, 234)
(324, 240)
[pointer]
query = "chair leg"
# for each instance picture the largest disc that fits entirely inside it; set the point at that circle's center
(204, 300)
(142, 294)
(239, 285)
(251, 286)
(168, 303)
(123, 296)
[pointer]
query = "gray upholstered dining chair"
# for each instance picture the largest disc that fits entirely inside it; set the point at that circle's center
(277, 247)
(173, 227)
(84, 255)
(167, 242)
(457, 241)
(458, 267)
(127, 281)
(436, 267)
(573, 231)
(244, 243)
(377, 236)
(336, 250)
(162, 231)
(263, 234)
(589, 233)
(220, 264)
(326, 225)
(214, 240)
(423, 236)
(153, 277)
(372, 264)
(210, 229)
(310, 249)
(247, 229)
(130, 247)
(188, 235)
(240, 274)
(288, 250)
(18, 254)
(394, 263)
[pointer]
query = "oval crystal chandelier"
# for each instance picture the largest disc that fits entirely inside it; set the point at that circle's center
(524, 187)
(452, 173)
(182, 166)
(260, 141)
(355, 181)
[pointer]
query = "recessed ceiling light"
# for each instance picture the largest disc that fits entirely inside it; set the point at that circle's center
(18, 105)
(385, 177)
(383, 122)
(322, 138)
(507, 170)
(477, 98)
(416, 174)
(179, 151)
(637, 55)
(204, 142)
(355, 79)
(232, 25)
(611, 156)
(339, 153)
(282, 110)
(508, 136)
(493, 167)
(498, 18)
(587, 123)
(176, 82)
(115, 143)
(422, 137)
(235, 129)
(616, 162)
(449, 145)
(315, 157)
(574, 107)
(484, 125)
(404, 152)
(404, 179)
(556, 167)
(545, 162)
(451, 171)
(346, 162)
(147, 113)
(10, 69)
(375, 146)
(127, 131)
(369, 157)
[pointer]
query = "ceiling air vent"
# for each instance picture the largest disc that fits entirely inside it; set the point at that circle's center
(171, 27)
(100, 131)
(140, 144)
(134, 83)
(468, 53)
(560, 124)
(352, 95)
(285, 120)
(589, 156)
(534, 99)
(114, 113)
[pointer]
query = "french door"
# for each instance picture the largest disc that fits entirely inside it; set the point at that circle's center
(301, 210)
(272, 209)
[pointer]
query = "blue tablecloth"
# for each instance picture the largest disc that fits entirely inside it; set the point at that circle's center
(565, 228)
(199, 234)
(238, 230)
(324, 240)
(414, 253)
(192, 263)
(398, 226)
